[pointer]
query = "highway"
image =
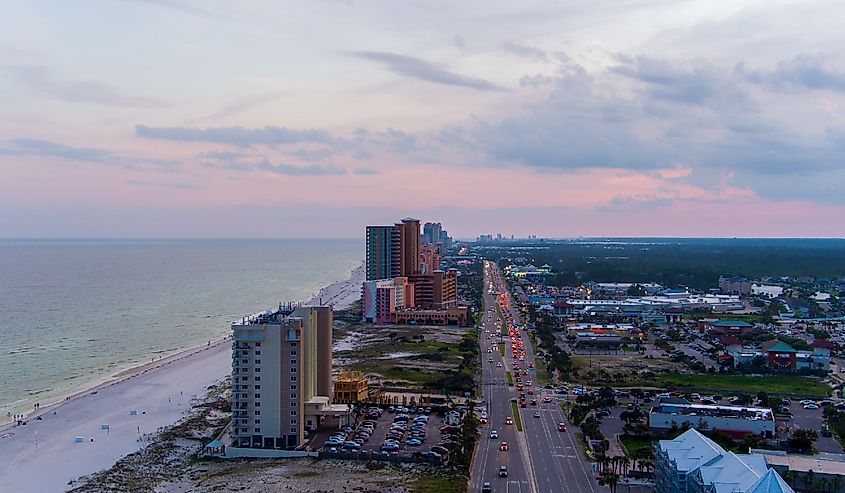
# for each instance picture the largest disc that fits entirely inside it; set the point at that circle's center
(540, 459)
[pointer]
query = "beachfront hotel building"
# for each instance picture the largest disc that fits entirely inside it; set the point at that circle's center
(281, 375)
(393, 251)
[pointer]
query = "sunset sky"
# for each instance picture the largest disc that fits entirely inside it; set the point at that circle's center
(181, 118)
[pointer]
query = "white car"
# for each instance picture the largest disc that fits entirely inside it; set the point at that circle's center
(494, 434)
(810, 406)
(498, 364)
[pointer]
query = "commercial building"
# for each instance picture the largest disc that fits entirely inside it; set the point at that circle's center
(735, 285)
(736, 421)
(281, 375)
(693, 463)
(351, 387)
(780, 356)
(458, 315)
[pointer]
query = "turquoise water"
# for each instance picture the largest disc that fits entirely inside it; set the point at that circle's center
(75, 311)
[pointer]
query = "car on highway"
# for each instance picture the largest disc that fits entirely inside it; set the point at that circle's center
(486, 488)
(494, 434)
(498, 364)
(561, 426)
(503, 471)
(503, 447)
(509, 420)
(537, 414)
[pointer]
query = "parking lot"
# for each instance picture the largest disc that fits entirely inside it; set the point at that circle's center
(813, 419)
(395, 431)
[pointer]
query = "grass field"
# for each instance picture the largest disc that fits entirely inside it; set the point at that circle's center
(634, 443)
(540, 370)
(517, 419)
(510, 378)
(440, 484)
(772, 384)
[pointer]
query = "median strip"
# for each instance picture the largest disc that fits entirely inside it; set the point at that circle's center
(510, 378)
(517, 418)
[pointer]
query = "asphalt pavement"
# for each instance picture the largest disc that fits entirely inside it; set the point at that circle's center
(540, 459)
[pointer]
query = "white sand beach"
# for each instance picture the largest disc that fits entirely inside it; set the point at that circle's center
(43, 455)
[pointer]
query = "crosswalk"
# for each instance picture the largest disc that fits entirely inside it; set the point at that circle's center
(518, 487)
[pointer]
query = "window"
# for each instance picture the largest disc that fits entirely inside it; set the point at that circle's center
(257, 344)
(257, 404)
(257, 379)
(293, 386)
(244, 353)
(293, 369)
(258, 353)
(244, 361)
(293, 430)
(258, 413)
(293, 362)
(293, 412)
(293, 396)
(258, 387)
(293, 378)
(293, 404)
(258, 370)
(258, 421)
(293, 344)
(293, 421)
(293, 352)
(258, 396)
(258, 362)
(258, 430)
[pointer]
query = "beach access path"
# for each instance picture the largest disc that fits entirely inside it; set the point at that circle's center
(43, 455)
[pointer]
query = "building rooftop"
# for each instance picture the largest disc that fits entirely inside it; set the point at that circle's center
(730, 323)
(754, 413)
(690, 450)
(732, 472)
(805, 463)
(781, 347)
(771, 482)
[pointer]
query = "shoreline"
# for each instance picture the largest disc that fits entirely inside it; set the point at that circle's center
(115, 378)
(333, 291)
(117, 411)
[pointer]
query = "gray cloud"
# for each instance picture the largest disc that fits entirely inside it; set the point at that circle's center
(238, 136)
(43, 80)
(365, 171)
(698, 84)
(526, 51)
(36, 147)
(293, 170)
(695, 114)
(244, 104)
(459, 41)
(801, 72)
(418, 68)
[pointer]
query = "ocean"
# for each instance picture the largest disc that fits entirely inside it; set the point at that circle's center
(75, 311)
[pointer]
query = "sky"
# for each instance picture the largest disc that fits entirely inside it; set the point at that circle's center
(259, 118)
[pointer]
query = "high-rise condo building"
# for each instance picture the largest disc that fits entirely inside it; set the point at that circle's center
(281, 375)
(393, 251)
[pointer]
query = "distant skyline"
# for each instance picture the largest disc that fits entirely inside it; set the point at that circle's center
(181, 118)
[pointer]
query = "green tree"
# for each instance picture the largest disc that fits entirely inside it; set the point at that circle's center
(802, 439)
